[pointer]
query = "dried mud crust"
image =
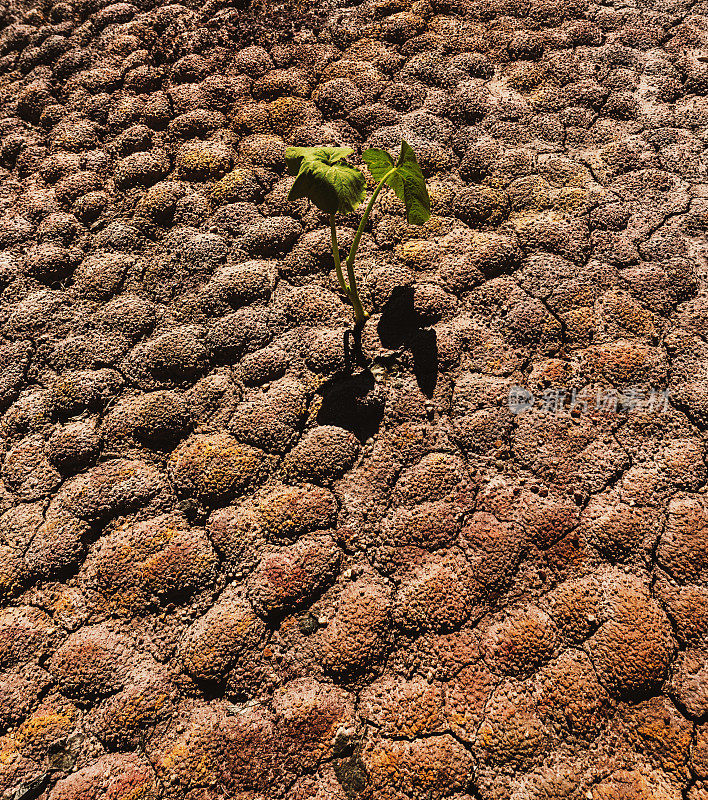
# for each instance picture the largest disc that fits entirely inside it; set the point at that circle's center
(242, 558)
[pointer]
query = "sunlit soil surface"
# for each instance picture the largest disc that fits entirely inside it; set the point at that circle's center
(243, 556)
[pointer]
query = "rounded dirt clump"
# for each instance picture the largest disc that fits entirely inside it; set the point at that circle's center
(74, 446)
(215, 469)
(201, 160)
(141, 169)
(323, 454)
(225, 634)
(161, 558)
(358, 636)
(171, 358)
(290, 511)
(156, 419)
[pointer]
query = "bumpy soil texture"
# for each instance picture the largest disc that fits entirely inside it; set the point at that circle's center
(242, 556)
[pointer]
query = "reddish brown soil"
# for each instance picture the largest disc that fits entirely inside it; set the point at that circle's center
(241, 556)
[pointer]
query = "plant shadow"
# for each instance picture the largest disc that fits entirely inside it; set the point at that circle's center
(402, 328)
(352, 401)
(351, 398)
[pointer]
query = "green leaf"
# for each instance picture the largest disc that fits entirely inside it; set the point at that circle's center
(378, 161)
(406, 180)
(415, 193)
(294, 156)
(324, 178)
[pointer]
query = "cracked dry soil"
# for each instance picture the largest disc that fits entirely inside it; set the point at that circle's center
(242, 558)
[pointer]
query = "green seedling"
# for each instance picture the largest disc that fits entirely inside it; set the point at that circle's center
(324, 177)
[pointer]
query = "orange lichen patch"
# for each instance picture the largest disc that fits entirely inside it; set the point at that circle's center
(581, 324)
(290, 511)
(192, 758)
(218, 639)
(520, 643)
(569, 693)
(49, 723)
(309, 715)
(626, 363)
(186, 765)
(626, 785)
(551, 372)
(466, 698)
(431, 768)
(621, 309)
(237, 750)
(657, 729)
(404, 708)
(161, 557)
(215, 468)
(583, 296)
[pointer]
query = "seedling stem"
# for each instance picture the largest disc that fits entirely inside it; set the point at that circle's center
(323, 177)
